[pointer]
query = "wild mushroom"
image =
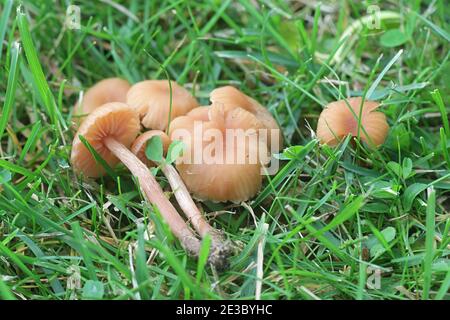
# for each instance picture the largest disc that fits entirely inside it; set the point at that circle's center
(340, 118)
(104, 91)
(110, 130)
(226, 169)
(230, 98)
(153, 101)
(219, 244)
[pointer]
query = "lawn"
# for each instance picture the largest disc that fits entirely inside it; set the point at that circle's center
(344, 222)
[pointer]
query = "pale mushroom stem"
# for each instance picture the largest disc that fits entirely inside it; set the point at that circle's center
(190, 209)
(155, 195)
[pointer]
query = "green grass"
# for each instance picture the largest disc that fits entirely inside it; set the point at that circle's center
(333, 214)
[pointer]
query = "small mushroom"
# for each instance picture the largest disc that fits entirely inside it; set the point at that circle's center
(230, 98)
(104, 91)
(219, 244)
(236, 176)
(153, 101)
(340, 118)
(110, 130)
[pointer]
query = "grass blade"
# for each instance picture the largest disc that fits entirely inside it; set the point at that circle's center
(5, 291)
(4, 23)
(381, 75)
(429, 239)
(36, 70)
(440, 103)
(11, 87)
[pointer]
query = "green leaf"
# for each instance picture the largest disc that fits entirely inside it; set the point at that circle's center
(399, 136)
(395, 167)
(385, 189)
(393, 38)
(376, 207)
(93, 290)
(407, 168)
(411, 193)
(376, 246)
(176, 149)
(154, 150)
(289, 31)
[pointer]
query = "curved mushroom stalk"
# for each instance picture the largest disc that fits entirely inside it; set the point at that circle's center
(220, 246)
(110, 130)
(154, 194)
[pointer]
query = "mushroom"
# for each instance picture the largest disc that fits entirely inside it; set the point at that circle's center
(104, 91)
(230, 98)
(340, 118)
(153, 100)
(181, 193)
(234, 174)
(110, 130)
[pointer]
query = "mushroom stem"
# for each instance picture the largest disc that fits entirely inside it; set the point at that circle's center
(155, 195)
(191, 210)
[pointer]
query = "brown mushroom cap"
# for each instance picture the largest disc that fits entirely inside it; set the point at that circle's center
(151, 98)
(114, 119)
(230, 98)
(221, 181)
(104, 91)
(337, 121)
(199, 113)
(138, 147)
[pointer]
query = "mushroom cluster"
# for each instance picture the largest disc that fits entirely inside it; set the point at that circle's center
(244, 135)
(110, 119)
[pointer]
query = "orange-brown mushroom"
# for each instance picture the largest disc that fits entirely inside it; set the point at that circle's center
(110, 130)
(340, 118)
(223, 158)
(230, 98)
(104, 91)
(219, 244)
(155, 99)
